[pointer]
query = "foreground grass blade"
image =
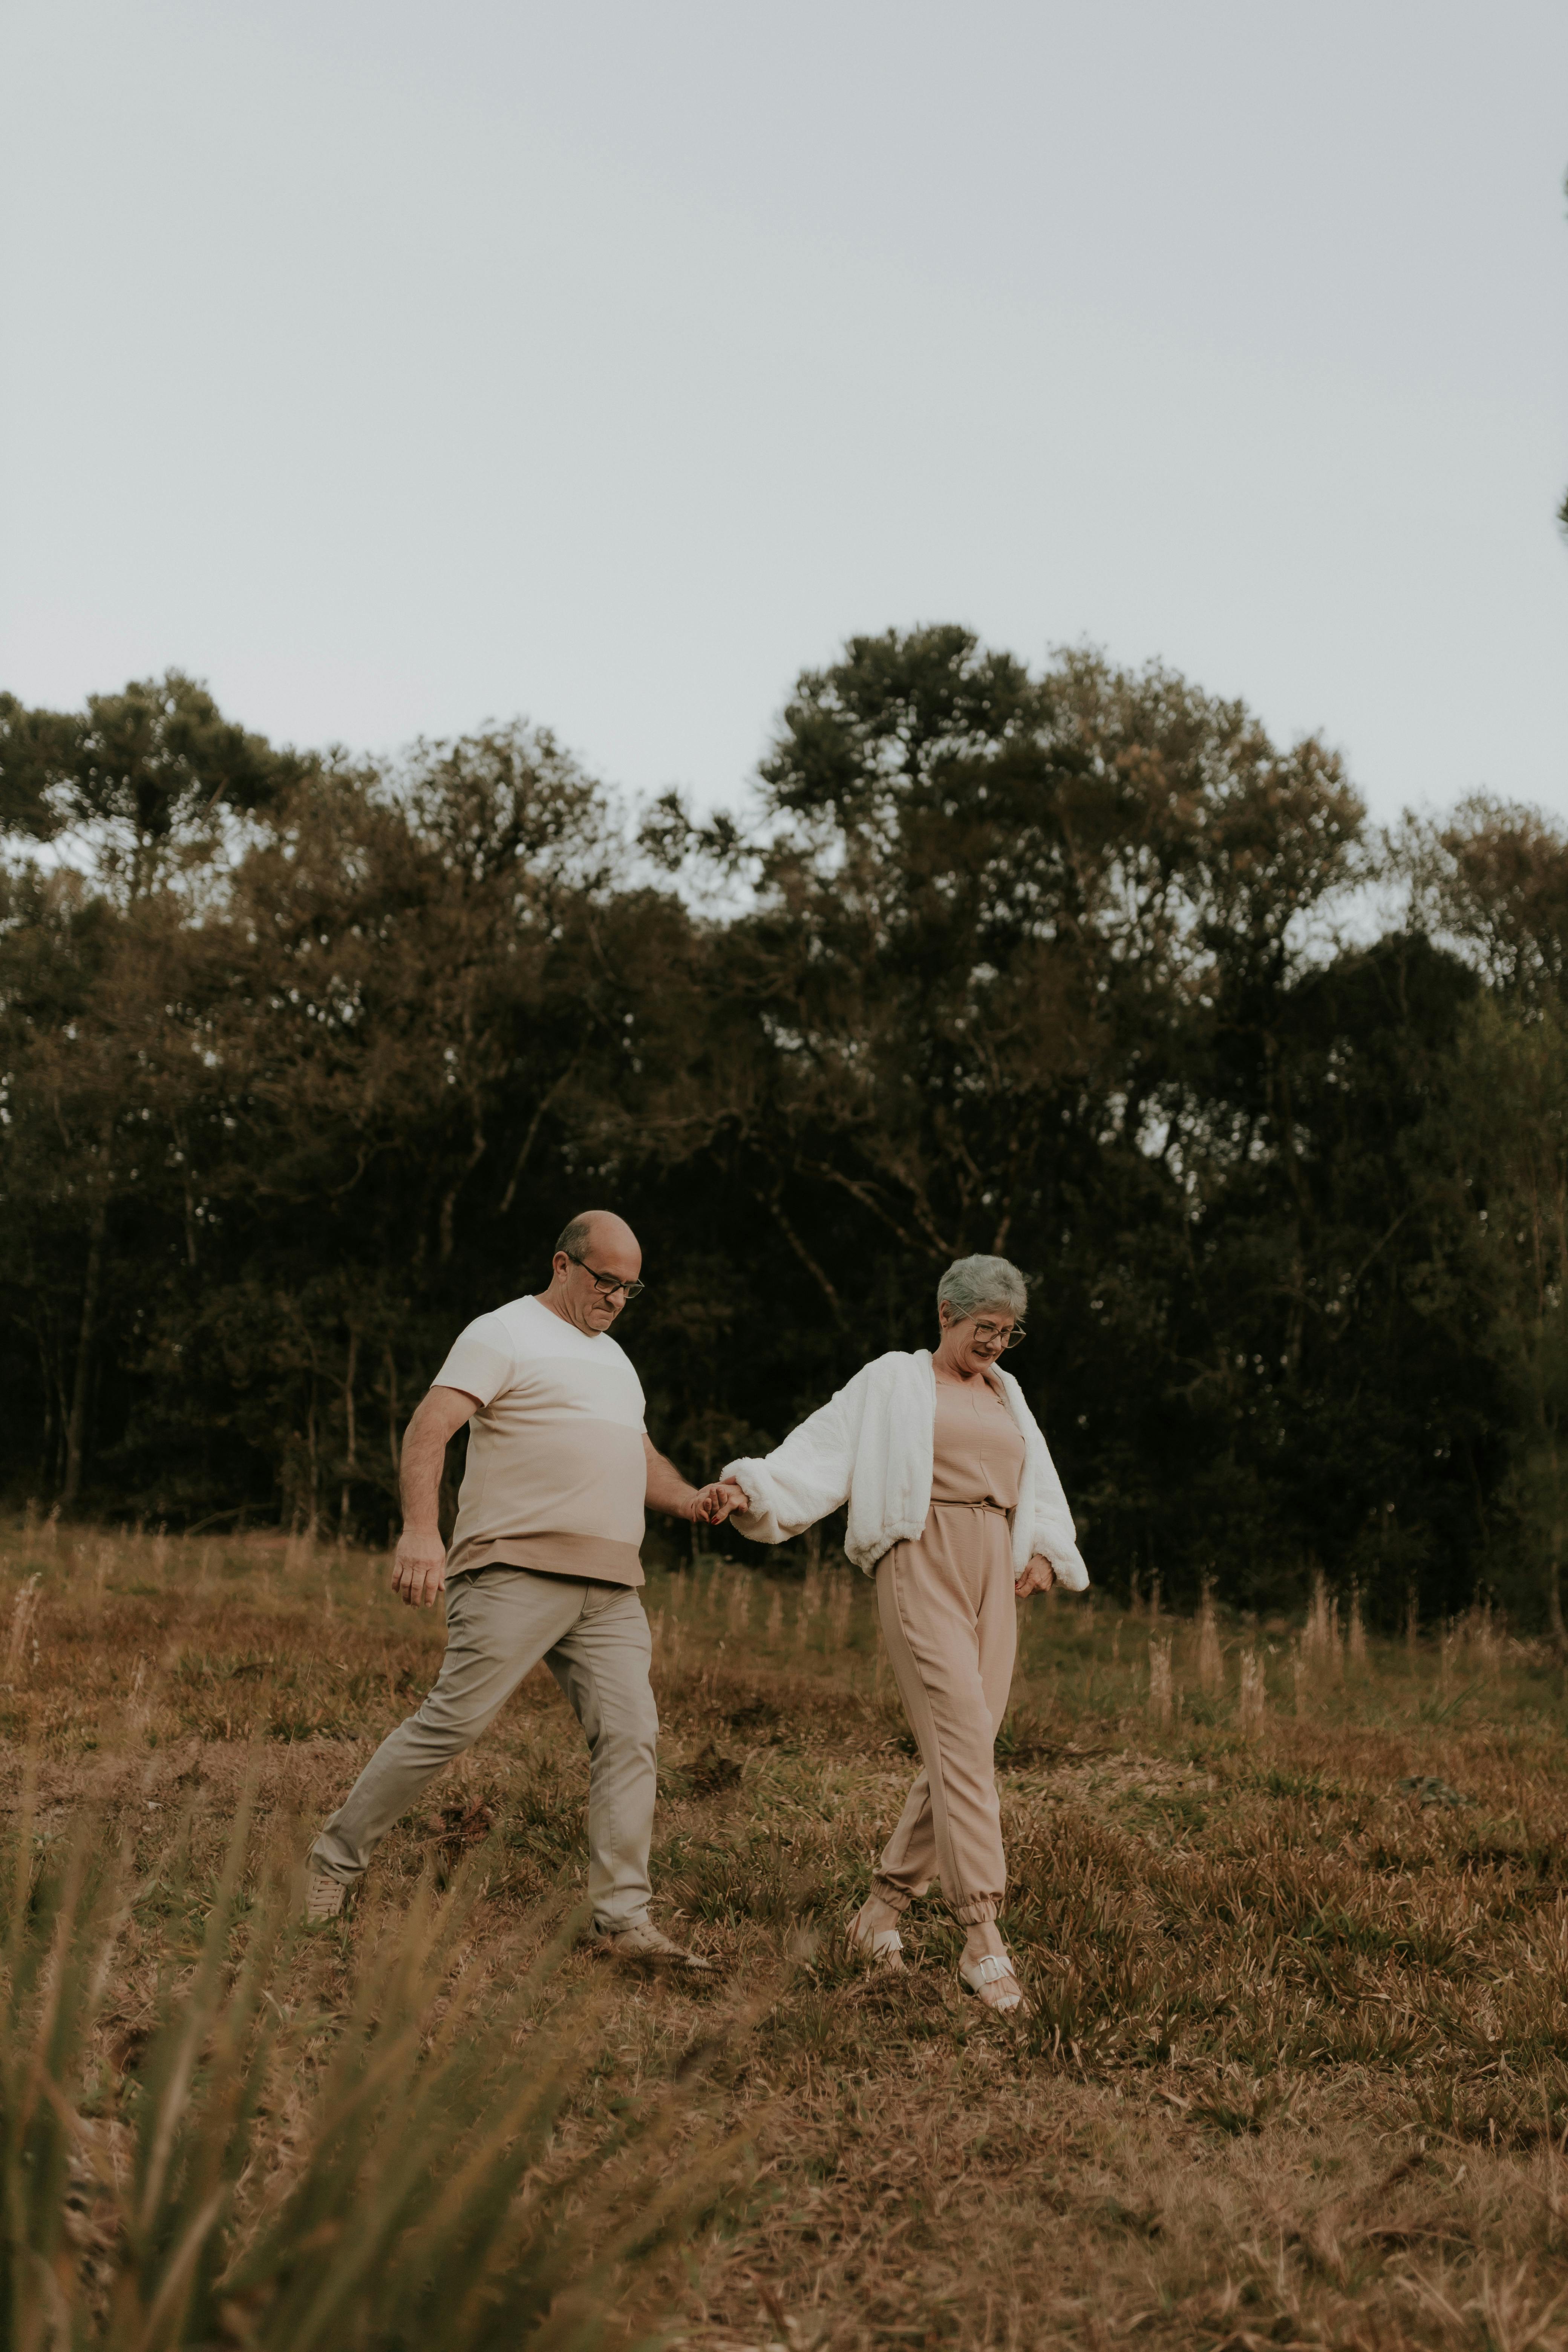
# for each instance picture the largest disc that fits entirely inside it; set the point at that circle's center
(407, 2205)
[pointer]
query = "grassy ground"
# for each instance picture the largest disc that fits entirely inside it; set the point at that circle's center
(1293, 1908)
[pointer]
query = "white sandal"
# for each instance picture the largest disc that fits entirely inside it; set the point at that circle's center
(883, 1945)
(988, 1971)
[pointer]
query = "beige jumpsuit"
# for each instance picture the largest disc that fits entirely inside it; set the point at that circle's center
(949, 1618)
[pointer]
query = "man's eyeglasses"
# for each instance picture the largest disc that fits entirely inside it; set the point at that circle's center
(606, 1285)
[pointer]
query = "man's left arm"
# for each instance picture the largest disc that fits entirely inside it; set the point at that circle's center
(668, 1491)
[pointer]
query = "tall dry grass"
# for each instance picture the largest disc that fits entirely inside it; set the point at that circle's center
(278, 2153)
(1292, 1901)
(218, 2128)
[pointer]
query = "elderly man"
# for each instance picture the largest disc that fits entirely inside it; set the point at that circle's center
(544, 1563)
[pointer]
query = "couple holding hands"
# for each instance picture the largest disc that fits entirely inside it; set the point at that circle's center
(954, 1508)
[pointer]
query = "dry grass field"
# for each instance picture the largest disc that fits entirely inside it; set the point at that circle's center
(1292, 1905)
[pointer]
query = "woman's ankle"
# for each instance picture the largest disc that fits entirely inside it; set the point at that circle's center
(877, 1914)
(984, 1936)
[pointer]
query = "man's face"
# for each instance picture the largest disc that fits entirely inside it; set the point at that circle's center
(589, 1304)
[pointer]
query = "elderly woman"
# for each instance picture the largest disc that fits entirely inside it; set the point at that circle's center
(956, 1510)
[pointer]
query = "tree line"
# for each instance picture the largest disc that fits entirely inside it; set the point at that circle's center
(306, 1058)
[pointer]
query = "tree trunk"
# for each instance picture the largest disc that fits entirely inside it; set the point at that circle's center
(394, 1447)
(1554, 1554)
(81, 1383)
(312, 1457)
(449, 1200)
(1549, 1520)
(351, 1461)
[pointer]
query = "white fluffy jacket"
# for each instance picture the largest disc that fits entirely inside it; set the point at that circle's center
(871, 1446)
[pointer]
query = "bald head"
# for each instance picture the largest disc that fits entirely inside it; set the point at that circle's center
(597, 1268)
(597, 1229)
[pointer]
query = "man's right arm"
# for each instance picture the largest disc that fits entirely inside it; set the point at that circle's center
(419, 1571)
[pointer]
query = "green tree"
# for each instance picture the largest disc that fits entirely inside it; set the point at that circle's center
(304, 1063)
(141, 778)
(135, 786)
(99, 1080)
(1508, 1160)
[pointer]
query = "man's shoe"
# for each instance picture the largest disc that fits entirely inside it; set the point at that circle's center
(324, 1897)
(644, 1945)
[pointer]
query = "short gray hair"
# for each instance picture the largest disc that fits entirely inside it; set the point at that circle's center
(972, 1283)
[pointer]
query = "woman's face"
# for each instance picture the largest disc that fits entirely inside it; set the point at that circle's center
(972, 1343)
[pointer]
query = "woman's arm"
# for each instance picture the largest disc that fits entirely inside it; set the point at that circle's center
(1038, 1576)
(1053, 1538)
(799, 1482)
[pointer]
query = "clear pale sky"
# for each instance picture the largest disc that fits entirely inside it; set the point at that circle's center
(396, 367)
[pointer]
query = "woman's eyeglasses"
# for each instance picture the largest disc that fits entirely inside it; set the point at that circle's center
(1005, 1339)
(1013, 1337)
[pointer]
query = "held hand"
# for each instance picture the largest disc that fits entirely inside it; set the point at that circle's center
(715, 1502)
(1037, 1576)
(419, 1571)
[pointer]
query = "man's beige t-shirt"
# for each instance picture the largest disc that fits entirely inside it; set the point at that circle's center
(556, 1475)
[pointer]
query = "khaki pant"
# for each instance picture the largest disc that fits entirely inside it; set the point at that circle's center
(950, 1619)
(499, 1622)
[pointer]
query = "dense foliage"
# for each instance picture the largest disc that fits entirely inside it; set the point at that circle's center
(305, 1062)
